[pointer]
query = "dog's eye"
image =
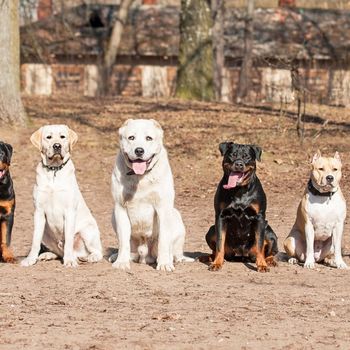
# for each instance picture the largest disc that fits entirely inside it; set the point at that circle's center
(335, 169)
(49, 137)
(131, 138)
(149, 138)
(63, 137)
(321, 169)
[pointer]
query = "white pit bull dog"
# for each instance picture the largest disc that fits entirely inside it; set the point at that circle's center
(317, 233)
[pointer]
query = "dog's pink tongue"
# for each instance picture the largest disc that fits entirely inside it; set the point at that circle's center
(139, 167)
(232, 180)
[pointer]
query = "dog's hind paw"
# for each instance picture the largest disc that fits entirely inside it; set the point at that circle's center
(292, 261)
(47, 256)
(94, 257)
(28, 261)
(165, 267)
(183, 259)
(121, 265)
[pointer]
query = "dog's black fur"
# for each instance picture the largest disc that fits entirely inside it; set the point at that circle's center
(7, 202)
(240, 226)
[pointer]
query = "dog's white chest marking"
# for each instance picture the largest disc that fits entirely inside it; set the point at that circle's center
(54, 194)
(141, 208)
(325, 213)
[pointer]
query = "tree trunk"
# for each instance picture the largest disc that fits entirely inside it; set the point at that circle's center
(11, 108)
(195, 73)
(245, 79)
(218, 45)
(113, 45)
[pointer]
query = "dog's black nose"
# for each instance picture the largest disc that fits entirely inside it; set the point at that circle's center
(56, 147)
(239, 165)
(139, 151)
(330, 178)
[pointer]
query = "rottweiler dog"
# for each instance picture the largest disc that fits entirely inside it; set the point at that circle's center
(7, 202)
(240, 203)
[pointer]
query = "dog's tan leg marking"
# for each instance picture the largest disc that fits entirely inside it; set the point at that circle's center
(6, 252)
(261, 263)
(220, 252)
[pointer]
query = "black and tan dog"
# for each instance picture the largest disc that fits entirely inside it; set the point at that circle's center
(7, 202)
(240, 203)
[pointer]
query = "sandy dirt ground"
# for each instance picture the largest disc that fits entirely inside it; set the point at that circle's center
(97, 307)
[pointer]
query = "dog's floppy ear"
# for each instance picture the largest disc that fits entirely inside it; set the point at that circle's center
(258, 151)
(9, 151)
(224, 146)
(121, 129)
(73, 138)
(158, 126)
(36, 138)
(337, 156)
(316, 156)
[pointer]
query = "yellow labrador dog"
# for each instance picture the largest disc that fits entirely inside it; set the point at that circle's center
(63, 224)
(318, 229)
(148, 226)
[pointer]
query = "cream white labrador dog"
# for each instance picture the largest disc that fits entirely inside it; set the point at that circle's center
(62, 221)
(148, 226)
(317, 233)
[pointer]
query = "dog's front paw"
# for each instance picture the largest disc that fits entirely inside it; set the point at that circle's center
(121, 265)
(165, 267)
(70, 262)
(9, 259)
(261, 264)
(340, 264)
(28, 261)
(270, 261)
(215, 266)
(262, 268)
(94, 257)
(309, 264)
(337, 263)
(7, 255)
